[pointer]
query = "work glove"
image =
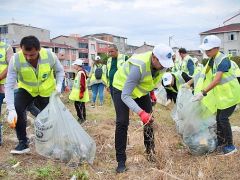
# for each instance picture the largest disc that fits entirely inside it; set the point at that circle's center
(12, 118)
(168, 102)
(197, 97)
(59, 88)
(186, 85)
(153, 97)
(145, 117)
(81, 95)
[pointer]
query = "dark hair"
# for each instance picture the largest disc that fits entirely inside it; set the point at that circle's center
(182, 50)
(30, 42)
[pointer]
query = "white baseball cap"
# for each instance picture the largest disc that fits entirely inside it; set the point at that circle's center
(78, 62)
(97, 58)
(167, 78)
(210, 42)
(164, 54)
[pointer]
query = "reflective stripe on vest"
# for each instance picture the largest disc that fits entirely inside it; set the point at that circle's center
(38, 81)
(74, 95)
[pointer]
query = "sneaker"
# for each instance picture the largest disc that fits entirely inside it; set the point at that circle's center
(228, 150)
(121, 167)
(101, 105)
(93, 105)
(21, 148)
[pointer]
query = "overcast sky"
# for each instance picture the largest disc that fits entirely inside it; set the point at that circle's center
(150, 21)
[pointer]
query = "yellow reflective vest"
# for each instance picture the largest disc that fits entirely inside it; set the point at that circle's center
(147, 82)
(184, 64)
(38, 81)
(179, 81)
(236, 69)
(3, 59)
(93, 80)
(225, 94)
(74, 95)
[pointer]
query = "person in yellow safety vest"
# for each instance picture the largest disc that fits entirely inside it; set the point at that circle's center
(114, 62)
(97, 80)
(79, 93)
(177, 64)
(32, 67)
(6, 52)
(218, 89)
(236, 70)
(172, 82)
(198, 68)
(132, 83)
(187, 65)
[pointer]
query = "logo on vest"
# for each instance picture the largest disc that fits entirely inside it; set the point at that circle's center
(44, 76)
(1, 55)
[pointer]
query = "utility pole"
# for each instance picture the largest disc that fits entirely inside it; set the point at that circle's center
(169, 40)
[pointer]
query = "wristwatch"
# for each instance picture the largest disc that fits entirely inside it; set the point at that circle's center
(204, 93)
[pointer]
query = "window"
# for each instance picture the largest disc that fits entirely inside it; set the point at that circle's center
(83, 45)
(83, 55)
(92, 47)
(232, 36)
(93, 56)
(233, 52)
(3, 30)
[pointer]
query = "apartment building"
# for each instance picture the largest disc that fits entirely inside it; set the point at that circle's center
(12, 33)
(119, 41)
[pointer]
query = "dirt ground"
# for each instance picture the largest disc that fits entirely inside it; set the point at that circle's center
(173, 161)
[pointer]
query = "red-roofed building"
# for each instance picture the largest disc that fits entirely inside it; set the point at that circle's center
(229, 35)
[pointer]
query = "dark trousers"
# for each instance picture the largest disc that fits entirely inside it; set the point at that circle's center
(2, 96)
(122, 122)
(81, 110)
(22, 100)
(224, 131)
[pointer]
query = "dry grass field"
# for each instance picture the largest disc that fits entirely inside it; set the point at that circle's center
(173, 159)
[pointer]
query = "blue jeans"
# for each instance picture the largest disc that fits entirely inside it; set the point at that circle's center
(97, 89)
(2, 96)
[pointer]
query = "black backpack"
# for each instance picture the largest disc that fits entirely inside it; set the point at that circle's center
(98, 72)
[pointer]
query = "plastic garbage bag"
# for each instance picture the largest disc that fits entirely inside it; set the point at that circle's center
(161, 95)
(195, 123)
(60, 136)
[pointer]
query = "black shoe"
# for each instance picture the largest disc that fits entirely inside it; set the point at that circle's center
(81, 120)
(21, 148)
(121, 167)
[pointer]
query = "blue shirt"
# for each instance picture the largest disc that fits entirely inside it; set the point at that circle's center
(190, 67)
(224, 66)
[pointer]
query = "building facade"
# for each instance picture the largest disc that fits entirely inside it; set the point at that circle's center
(119, 41)
(12, 33)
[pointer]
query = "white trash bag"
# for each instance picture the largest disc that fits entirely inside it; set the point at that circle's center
(194, 123)
(60, 136)
(161, 95)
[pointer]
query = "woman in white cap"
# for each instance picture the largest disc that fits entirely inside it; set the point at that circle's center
(172, 82)
(97, 80)
(79, 93)
(218, 89)
(132, 83)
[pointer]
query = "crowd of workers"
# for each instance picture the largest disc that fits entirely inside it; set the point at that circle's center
(33, 73)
